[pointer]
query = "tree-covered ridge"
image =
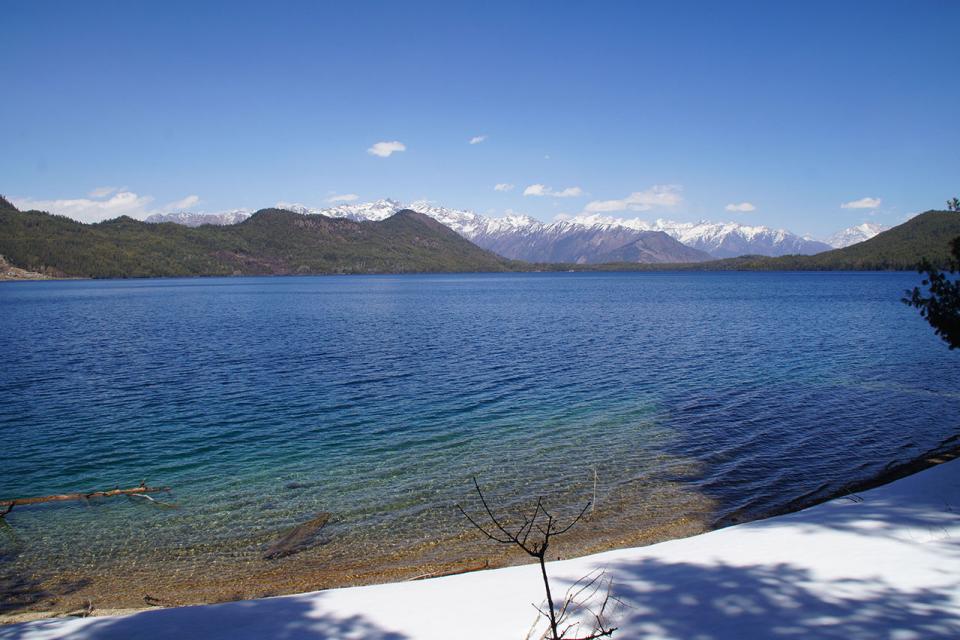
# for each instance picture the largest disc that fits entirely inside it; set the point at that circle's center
(272, 241)
(923, 237)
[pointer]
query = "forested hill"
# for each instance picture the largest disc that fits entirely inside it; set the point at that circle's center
(272, 241)
(926, 235)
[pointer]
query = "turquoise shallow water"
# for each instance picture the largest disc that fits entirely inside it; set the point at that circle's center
(264, 400)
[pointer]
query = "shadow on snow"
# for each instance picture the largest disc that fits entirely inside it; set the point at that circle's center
(287, 618)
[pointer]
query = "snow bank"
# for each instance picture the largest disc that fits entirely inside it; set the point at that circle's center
(885, 564)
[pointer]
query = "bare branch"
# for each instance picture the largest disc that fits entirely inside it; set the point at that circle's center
(594, 578)
(529, 523)
(492, 517)
(600, 633)
(575, 520)
(582, 591)
(482, 529)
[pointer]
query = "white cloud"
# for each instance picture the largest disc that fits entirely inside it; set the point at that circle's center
(543, 190)
(604, 206)
(102, 192)
(503, 186)
(124, 203)
(346, 197)
(477, 139)
(862, 203)
(742, 207)
(184, 203)
(385, 149)
(97, 209)
(659, 195)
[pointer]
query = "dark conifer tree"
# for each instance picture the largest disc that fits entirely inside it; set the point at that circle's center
(938, 297)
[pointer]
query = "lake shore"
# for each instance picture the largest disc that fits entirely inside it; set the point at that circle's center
(265, 403)
(281, 583)
(329, 563)
(9, 272)
(866, 564)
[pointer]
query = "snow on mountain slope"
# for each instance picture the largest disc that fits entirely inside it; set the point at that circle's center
(856, 234)
(719, 239)
(583, 239)
(373, 211)
(521, 237)
(524, 238)
(188, 219)
(728, 240)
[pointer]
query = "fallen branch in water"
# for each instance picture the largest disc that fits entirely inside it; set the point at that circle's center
(297, 539)
(63, 497)
(143, 496)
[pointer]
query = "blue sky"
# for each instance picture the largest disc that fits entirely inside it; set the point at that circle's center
(674, 110)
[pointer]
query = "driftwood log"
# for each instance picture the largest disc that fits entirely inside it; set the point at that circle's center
(297, 539)
(8, 505)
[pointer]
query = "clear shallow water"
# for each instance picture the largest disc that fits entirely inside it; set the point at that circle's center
(700, 396)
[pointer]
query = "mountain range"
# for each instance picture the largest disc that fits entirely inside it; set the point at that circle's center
(585, 239)
(189, 219)
(276, 241)
(270, 242)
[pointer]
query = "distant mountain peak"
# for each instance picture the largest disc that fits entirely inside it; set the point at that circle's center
(856, 234)
(190, 219)
(719, 239)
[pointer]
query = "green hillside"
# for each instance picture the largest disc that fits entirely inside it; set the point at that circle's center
(272, 241)
(927, 235)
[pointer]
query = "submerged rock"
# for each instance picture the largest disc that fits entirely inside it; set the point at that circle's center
(298, 539)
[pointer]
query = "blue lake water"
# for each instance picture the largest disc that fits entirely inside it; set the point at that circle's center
(686, 397)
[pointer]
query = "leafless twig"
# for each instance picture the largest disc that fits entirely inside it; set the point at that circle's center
(546, 527)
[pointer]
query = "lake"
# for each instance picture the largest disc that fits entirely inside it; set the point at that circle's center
(678, 401)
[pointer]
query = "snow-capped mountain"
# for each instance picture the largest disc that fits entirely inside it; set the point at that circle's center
(856, 234)
(582, 239)
(196, 219)
(588, 238)
(719, 239)
(521, 237)
(377, 210)
(730, 239)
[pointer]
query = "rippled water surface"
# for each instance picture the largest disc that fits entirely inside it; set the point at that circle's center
(262, 401)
